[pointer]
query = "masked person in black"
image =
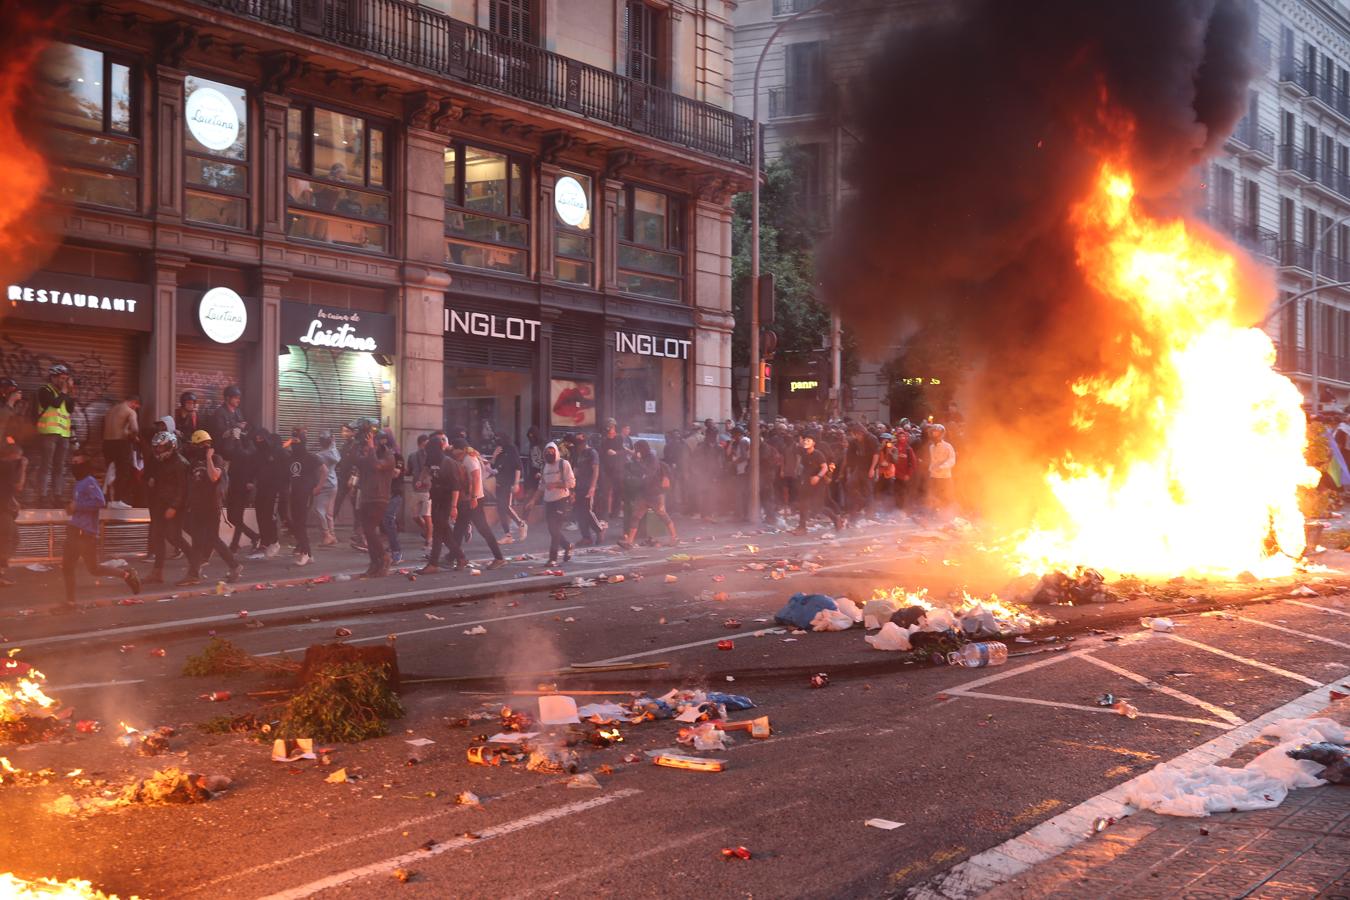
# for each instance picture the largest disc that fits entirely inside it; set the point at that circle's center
(242, 482)
(586, 467)
(204, 498)
(168, 489)
(447, 486)
(506, 465)
(306, 472)
(271, 477)
(347, 481)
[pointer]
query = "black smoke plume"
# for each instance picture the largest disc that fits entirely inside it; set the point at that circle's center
(979, 128)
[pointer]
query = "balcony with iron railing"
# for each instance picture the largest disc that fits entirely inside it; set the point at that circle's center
(1294, 159)
(1293, 72)
(790, 101)
(792, 7)
(431, 41)
(1296, 255)
(1260, 241)
(1257, 141)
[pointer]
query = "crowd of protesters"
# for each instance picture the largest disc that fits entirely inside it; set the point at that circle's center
(196, 470)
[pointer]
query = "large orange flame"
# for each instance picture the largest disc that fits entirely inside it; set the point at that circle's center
(1206, 481)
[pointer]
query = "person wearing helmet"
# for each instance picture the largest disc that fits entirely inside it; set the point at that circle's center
(82, 533)
(13, 467)
(204, 503)
(186, 419)
(167, 485)
(55, 406)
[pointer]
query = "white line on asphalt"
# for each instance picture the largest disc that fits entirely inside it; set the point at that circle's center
(1014, 671)
(1302, 634)
(663, 650)
(1227, 715)
(292, 857)
(622, 865)
(1094, 709)
(61, 688)
(985, 871)
(385, 636)
(449, 592)
(1255, 663)
(1325, 609)
(417, 856)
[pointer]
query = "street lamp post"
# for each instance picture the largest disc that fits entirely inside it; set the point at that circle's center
(1314, 323)
(756, 364)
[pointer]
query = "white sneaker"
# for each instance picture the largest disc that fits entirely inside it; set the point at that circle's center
(523, 532)
(258, 555)
(119, 504)
(506, 540)
(303, 559)
(271, 550)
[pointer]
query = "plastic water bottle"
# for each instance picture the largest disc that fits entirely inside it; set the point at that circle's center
(977, 656)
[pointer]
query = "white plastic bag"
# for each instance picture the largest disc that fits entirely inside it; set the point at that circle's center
(890, 637)
(849, 608)
(831, 620)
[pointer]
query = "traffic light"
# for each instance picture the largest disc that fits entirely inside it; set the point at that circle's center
(765, 374)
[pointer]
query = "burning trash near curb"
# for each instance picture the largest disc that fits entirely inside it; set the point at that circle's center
(27, 714)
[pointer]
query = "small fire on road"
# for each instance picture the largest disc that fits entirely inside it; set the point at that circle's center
(14, 888)
(1207, 481)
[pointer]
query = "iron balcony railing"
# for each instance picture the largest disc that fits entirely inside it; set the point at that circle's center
(793, 100)
(1293, 253)
(1261, 241)
(1258, 140)
(792, 7)
(1293, 159)
(1296, 73)
(432, 41)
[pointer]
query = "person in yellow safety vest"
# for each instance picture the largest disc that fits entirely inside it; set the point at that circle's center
(54, 426)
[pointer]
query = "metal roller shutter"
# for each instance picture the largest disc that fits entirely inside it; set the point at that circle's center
(205, 368)
(489, 353)
(326, 389)
(105, 363)
(576, 347)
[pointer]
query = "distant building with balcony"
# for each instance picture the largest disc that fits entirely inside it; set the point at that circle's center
(490, 214)
(1282, 185)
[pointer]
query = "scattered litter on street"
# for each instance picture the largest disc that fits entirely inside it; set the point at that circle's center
(883, 824)
(477, 629)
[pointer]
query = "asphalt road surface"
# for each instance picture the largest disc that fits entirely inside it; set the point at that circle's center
(963, 758)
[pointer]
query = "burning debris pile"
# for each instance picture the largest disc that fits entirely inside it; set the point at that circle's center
(170, 785)
(1083, 587)
(27, 714)
(13, 887)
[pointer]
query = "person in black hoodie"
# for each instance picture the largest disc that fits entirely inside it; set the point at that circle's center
(447, 483)
(243, 478)
(273, 473)
(167, 487)
(306, 473)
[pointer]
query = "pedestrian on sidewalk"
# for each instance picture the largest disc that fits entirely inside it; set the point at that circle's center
(204, 500)
(167, 487)
(226, 424)
(586, 468)
(446, 487)
(420, 476)
(471, 510)
(273, 474)
(121, 431)
(653, 482)
(306, 479)
(328, 488)
(556, 484)
(374, 465)
(13, 467)
(389, 524)
(348, 481)
(55, 407)
(535, 464)
(506, 469)
(82, 533)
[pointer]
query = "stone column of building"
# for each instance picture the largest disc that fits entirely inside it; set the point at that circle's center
(168, 144)
(543, 230)
(421, 312)
(271, 281)
(543, 388)
(157, 370)
(712, 304)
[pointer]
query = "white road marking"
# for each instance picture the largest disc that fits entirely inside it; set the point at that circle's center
(664, 650)
(57, 688)
(1255, 663)
(1227, 715)
(1084, 708)
(290, 858)
(417, 856)
(1325, 609)
(448, 592)
(385, 636)
(985, 871)
(1302, 634)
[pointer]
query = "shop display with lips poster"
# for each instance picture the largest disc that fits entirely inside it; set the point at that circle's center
(573, 403)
